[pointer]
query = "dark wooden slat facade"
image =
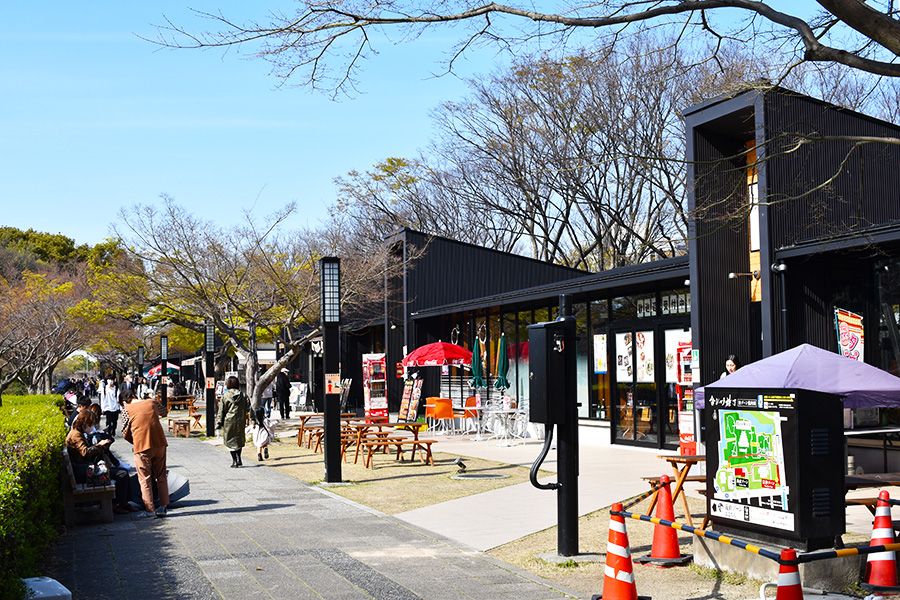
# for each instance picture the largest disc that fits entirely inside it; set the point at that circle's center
(826, 210)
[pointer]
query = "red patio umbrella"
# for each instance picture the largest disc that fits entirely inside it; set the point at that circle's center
(170, 368)
(436, 354)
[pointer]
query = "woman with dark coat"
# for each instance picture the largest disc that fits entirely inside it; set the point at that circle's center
(232, 419)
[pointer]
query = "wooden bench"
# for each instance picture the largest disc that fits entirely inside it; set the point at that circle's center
(420, 445)
(76, 496)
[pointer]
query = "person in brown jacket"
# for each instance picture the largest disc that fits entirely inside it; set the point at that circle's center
(85, 450)
(149, 440)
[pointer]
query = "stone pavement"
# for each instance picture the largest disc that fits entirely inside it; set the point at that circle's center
(255, 533)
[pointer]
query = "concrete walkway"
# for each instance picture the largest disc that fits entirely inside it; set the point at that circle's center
(255, 533)
(607, 474)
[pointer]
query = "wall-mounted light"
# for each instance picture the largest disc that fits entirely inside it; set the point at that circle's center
(393, 325)
(755, 275)
(687, 283)
(779, 267)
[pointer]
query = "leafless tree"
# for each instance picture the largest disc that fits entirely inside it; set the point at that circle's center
(43, 319)
(257, 281)
(399, 192)
(323, 43)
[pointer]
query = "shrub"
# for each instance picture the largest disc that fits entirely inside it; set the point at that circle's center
(32, 434)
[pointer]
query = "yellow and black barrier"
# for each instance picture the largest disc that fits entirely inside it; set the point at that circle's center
(776, 556)
(642, 497)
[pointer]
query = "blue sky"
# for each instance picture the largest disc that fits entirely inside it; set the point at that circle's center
(94, 118)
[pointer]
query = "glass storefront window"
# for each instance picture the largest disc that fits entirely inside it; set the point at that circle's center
(600, 379)
(582, 358)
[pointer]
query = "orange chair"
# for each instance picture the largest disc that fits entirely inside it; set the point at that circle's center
(443, 411)
(469, 412)
(430, 404)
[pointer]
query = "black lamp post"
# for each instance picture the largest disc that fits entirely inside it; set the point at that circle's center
(330, 284)
(210, 379)
(164, 357)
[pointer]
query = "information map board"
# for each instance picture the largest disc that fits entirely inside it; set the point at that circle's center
(775, 463)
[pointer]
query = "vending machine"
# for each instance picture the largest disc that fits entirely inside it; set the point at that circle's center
(375, 386)
(775, 464)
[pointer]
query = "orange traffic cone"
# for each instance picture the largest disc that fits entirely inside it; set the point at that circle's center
(789, 587)
(881, 567)
(665, 551)
(618, 581)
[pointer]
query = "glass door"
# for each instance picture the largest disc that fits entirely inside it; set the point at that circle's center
(636, 416)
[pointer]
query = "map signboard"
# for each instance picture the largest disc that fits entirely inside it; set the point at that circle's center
(751, 469)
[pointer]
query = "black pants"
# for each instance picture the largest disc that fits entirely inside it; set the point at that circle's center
(284, 406)
(112, 421)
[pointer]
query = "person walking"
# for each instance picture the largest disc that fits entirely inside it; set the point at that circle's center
(149, 440)
(109, 404)
(262, 432)
(232, 416)
(266, 398)
(283, 393)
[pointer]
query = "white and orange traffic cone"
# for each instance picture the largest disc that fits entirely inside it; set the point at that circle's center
(881, 567)
(789, 587)
(665, 551)
(618, 580)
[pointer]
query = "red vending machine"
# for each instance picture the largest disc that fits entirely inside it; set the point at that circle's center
(375, 387)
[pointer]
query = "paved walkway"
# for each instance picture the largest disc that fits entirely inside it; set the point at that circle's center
(255, 533)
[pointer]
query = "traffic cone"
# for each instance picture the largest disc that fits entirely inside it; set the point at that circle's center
(618, 580)
(665, 551)
(789, 587)
(881, 567)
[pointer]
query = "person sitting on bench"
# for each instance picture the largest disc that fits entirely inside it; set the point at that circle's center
(83, 453)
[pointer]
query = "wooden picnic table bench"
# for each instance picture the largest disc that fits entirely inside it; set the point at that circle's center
(77, 495)
(398, 442)
(186, 401)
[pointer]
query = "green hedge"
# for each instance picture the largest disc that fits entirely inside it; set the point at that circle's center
(32, 433)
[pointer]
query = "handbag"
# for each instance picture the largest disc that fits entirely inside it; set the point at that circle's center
(98, 474)
(126, 435)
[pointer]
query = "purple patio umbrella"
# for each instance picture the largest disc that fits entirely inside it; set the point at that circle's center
(809, 368)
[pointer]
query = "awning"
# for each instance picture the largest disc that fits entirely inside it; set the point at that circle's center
(264, 357)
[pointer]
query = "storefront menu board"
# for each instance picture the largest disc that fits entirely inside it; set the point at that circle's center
(775, 463)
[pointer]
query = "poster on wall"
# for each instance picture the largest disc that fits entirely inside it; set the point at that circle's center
(600, 355)
(849, 327)
(644, 357)
(623, 358)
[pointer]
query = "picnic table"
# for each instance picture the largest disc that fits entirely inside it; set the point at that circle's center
(186, 401)
(681, 467)
(364, 429)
